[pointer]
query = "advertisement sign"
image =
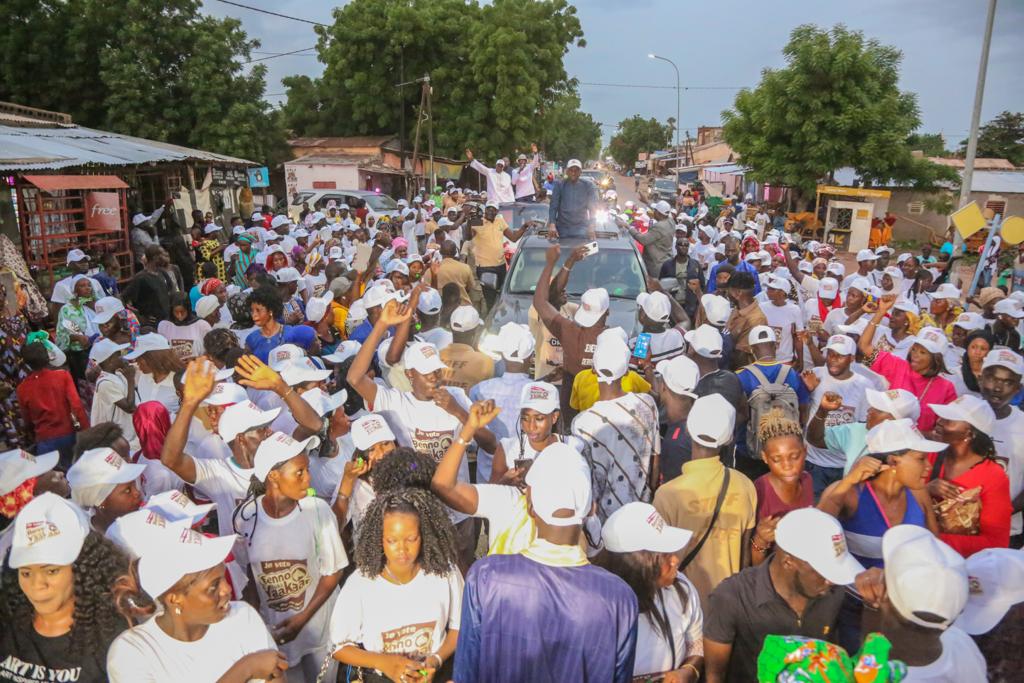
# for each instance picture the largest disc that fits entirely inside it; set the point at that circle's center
(102, 211)
(259, 177)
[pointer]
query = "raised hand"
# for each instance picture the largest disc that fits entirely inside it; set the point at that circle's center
(552, 254)
(831, 401)
(481, 414)
(257, 374)
(395, 314)
(199, 380)
(811, 380)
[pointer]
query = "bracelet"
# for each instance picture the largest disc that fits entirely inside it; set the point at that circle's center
(759, 548)
(290, 391)
(343, 496)
(440, 662)
(818, 416)
(461, 441)
(695, 672)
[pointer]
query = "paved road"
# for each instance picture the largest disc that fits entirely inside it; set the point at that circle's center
(624, 189)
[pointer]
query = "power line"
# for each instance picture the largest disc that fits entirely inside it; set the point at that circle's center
(665, 87)
(273, 14)
(280, 54)
(264, 52)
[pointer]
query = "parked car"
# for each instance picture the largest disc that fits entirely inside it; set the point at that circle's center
(661, 188)
(616, 266)
(602, 179)
(380, 204)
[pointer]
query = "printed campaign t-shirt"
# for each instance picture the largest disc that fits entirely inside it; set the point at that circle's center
(961, 660)
(111, 388)
(782, 319)
(288, 557)
(224, 483)
(186, 340)
(145, 654)
(26, 656)
(388, 618)
(854, 409)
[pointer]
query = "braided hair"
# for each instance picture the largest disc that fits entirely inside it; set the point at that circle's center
(775, 424)
(437, 535)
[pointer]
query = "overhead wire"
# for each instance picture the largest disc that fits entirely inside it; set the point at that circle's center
(273, 14)
(280, 54)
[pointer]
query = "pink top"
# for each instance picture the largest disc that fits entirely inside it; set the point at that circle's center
(926, 389)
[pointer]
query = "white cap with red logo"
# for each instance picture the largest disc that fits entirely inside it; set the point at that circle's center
(638, 526)
(593, 304)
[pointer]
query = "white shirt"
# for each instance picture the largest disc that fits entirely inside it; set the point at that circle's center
(384, 617)
(835, 318)
(145, 654)
(782, 319)
(654, 654)
(225, 484)
(111, 388)
(523, 180)
(161, 392)
(316, 284)
(853, 409)
(288, 557)
(438, 336)
(186, 340)
(1008, 435)
(506, 392)
(63, 291)
(961, 660)
(499, 185)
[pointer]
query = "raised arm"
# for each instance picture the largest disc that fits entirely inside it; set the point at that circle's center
(256, 374)
(403, 331)
(357, 376)
(476, 165)
(545, 310)
(455, 494)
(866, 341)
(199, 381)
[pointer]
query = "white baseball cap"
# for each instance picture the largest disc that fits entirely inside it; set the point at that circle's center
(369, 430)
(761, 334)
(908, 306)
(97, 473)
(166, 558)
(76, 255)
(345, 350)
(893, 436)
(335, 254)
(288, 275)
(968, 408)
(18, 466)
(817, 538)
(995, 583)
(1008, 307)
(923, 575)
(135, 531)
(278, 221)
(611, 358)
(242, 417)
(711, 421)
(377, 295)
(662, 207)
(48, 530)
(680, 375)
(539, 396)
(104, 349)
(866, 255)
(106, 308)
(969, 321)
(1004, 358)
(225, 394)
(717, 309)
(861, 284)
(317, 306)
(303, 370)
(397, 265)
(884, 250)
(148, 342)
(805, 267)
(423, 358)
(655, 305)
(300, 233)
(753, 256)
(574, 163)
(638, 526)
(559, 479)
(465, 319)
(705, 340)
(277, 449)
(284, 355)
(175, 506)
(946, 291)
(429, 302)
(932, 339)
(516, 342)
(899, 403)
(828, 288)
(780, 283)
(836, 268)
(841, 344)
(593, 305)
(207, 305)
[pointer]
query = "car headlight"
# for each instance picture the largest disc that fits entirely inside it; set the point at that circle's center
(601, 216)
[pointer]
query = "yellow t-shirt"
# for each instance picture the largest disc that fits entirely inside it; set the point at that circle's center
(489, 243)
(467, 367)
(585, 391)
(688, 501)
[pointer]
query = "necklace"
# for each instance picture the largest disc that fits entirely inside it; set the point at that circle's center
(394, 579)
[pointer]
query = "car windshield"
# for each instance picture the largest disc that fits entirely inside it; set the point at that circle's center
(595, 175)
(380, 202)
(665, 184)
(617, 270)
(517, 215)
(300, 197)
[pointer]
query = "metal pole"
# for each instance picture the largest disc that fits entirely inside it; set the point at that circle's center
(993, 230)
(678, 97)
(972, 141)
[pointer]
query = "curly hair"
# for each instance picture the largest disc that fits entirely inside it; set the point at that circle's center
(775, 424)
(218, 341)
(268, 298)
(402, 468)
(96, 620)
(437, 535)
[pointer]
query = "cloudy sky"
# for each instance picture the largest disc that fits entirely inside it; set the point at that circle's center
(724, 45)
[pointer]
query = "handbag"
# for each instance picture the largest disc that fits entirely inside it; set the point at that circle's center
(960, 515)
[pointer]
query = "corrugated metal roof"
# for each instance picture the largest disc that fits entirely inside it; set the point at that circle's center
(1010, 182)
(24, 148)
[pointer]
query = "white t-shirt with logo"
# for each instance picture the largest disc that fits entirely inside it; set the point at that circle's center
(960, 661)
(853, 409)
(782, 319)
(186, 340)
(388, 618)
(422, 425)
(225, 484)
(1008, 436)
(288, 557)
(145, 654)
(654, 652)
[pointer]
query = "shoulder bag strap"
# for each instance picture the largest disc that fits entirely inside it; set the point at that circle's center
(937, 467)
(711, 525)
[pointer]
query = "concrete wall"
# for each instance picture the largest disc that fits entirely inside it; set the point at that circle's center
(920, 227)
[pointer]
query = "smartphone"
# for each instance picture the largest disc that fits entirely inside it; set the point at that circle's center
(591, 248)
(642, 346)
(522, 464)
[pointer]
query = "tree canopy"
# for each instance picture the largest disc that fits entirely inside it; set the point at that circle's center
(157, 69)
(637, 134)
(496, 73)
(835, 104)
(1002, 138)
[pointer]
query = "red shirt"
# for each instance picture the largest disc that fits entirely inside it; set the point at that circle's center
(769, 504)
(45, 397)
(996, 507)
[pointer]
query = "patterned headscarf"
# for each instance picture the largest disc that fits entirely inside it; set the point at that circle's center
(796, 659)
(12, 501)
(210, 286)
(241, 312)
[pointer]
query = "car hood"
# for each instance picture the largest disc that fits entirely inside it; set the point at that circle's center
(515, 308)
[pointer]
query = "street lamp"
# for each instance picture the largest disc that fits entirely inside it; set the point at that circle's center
(651, 55)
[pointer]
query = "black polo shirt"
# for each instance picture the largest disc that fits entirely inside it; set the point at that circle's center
(745, 608)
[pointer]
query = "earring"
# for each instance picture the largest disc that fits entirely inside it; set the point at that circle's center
(177, 610)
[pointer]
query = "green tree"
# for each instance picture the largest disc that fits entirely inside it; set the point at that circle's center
(568, 133)
(157, 69)
(635, 135)
(1001, 138)
(835, 104)
(300, 113)
(931, 144)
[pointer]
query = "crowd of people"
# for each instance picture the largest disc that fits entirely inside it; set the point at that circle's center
(296, 460)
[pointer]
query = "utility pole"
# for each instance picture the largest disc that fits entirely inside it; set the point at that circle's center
(972, 141)
(651, 55)
(424, 110)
